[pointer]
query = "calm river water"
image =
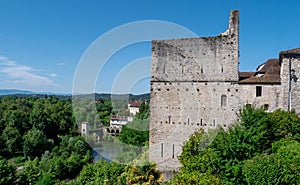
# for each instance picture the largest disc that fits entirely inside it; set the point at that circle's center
(107, 151)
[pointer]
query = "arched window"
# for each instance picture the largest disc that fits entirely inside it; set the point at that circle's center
(223, 100)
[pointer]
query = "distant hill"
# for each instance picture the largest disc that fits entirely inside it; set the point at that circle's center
(14, 91)
(24, 93)
(116, 96)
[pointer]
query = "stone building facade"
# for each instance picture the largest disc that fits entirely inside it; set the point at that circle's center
(196, 83)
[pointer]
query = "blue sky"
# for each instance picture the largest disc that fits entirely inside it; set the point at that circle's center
(42, 42)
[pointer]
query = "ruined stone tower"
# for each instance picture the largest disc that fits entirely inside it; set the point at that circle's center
(187, 76)
(196, 83)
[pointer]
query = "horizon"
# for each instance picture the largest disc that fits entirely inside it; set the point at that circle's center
(66, 94)
(43, 43)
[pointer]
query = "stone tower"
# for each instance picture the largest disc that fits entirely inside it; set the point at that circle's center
(85, 128)
(191, 82)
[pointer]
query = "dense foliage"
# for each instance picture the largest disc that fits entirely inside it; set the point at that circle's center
(64, 162)
(135, 133)
(7, 172)
(39, 142)
(31, 125)
(114, 173)
(264, 148)
(95, 113)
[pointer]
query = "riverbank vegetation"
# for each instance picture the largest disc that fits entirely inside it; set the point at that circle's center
(40, 141)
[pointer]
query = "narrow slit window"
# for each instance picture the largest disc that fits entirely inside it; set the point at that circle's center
(173, 151)
(161, 150)
(223, 100)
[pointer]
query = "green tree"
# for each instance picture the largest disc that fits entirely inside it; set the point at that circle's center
(35, 143)
(195, 178)
(30, 173)
(46, 179)
(13, 140)
(199, 162)
(67, 160)
(284, 124)
(18, 118)
(282, 167)
(102, 172)
(145, 174)
(144, 111)
(135, 133)
(7, 173)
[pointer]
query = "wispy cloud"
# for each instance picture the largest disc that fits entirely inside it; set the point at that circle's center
(21, 75)
(53, 75)
(3, 58)
(61, 64)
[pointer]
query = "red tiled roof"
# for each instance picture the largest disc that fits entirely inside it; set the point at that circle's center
(121, 118)
(267, 73)
(135, 104)
(263, 68)
(272, 76)
(246, 74)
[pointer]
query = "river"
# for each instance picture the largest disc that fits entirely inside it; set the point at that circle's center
(107, 151)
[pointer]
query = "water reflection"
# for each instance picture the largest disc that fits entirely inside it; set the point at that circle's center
(107, 150)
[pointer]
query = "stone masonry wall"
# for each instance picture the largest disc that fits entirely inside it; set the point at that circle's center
(194, 84)
(295, 87)
(198, 59)
(179, 109)
(187, 76)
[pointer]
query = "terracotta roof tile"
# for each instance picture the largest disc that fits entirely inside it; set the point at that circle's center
(267, 73)
(135, 104)
(246, 74)
(263, 68)
(121, 118)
